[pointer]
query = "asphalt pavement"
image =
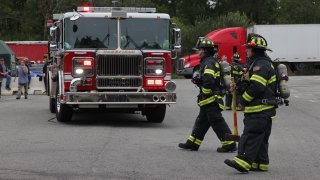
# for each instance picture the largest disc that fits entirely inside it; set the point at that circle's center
(33, 145)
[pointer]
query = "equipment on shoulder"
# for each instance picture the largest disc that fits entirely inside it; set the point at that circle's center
(225, 70)
(283, 89)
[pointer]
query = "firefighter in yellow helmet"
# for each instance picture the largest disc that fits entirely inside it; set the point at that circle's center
(260, 108)
(236, 72)
(209, 100)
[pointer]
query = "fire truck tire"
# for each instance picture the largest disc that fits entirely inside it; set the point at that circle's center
(52, 105)
(63, 111)
(157, 114)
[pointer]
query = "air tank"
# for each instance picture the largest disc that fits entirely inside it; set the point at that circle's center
(283, 77)
(226, 73)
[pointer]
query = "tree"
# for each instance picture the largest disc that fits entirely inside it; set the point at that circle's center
(299, 11)
(259, 11)
(205, 25)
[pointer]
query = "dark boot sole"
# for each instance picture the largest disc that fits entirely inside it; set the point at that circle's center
(187, 149)
(227, 151)
(231, 164)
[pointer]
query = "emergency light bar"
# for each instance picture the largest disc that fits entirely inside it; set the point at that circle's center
(113, 9)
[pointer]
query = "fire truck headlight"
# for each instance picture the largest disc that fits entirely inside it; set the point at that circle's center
(159, 71)
(83, 67)
(154, 66)
(79, 71)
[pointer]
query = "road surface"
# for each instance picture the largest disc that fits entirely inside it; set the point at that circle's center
(33, 145)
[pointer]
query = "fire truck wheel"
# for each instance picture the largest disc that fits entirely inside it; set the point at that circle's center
(157, 114)
(63, 111)
(52, 105)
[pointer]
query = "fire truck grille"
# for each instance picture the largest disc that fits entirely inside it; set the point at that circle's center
(119, 71)
(119, 83)
(119, 65)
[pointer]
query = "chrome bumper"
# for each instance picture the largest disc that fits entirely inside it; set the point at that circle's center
(114, 98)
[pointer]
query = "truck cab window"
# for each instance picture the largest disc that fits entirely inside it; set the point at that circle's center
(155, 35)
(90, 33)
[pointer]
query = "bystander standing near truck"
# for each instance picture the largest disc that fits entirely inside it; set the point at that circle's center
(22, 73)
(4, 73)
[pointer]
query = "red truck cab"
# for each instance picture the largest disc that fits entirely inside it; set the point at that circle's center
(229, 41)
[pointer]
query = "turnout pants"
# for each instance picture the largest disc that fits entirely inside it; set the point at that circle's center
(210, 115)
(254, 142)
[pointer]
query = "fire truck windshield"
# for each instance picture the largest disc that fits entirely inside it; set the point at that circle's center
(90, 33)
(143, 33)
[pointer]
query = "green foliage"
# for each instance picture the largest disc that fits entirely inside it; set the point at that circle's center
(259, 11)
(203, 26)
(26, 19)
(299, 12)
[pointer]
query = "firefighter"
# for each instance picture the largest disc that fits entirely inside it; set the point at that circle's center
(259, 109)
(236, 72)
(209, 100)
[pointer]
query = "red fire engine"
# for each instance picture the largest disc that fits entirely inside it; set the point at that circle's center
(112, 58)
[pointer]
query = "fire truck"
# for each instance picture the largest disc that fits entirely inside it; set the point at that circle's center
(112, 59)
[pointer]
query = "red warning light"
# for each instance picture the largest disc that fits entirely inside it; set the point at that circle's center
(87, 63)
(86, 9)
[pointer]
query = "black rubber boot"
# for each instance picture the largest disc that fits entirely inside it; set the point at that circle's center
(189, 146)
(234, 165)
(228, 148)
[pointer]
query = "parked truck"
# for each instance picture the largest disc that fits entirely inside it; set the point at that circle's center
(33, 50)
(297, 46)
(112, 58)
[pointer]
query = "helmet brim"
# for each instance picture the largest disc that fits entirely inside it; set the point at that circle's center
(258, 47)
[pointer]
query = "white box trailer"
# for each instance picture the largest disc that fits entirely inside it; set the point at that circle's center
(296, 45)
(291, 43)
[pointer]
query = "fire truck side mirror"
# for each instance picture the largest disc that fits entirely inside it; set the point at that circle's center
(177, 39)
(53, 47)
(52, 39)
